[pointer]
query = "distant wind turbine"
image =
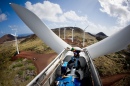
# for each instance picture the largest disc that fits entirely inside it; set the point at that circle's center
(84, 35)
(59, 32)
(64, 33)
(72, 34)
(16, 42)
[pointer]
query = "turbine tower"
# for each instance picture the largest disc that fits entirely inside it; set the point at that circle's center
(72, 34)
(64, 33)
(59, 32)
(84, 36)
(16, 42)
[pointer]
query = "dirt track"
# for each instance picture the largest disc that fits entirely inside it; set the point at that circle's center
(42, 60)
(110, 80)
(39, 60)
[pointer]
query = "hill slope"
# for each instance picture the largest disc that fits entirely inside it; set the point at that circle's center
(5, 38)
(106, 65)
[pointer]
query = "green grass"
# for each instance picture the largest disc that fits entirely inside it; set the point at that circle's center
(27, 78)
(10, 69)
(31, 68)
(20, 72)
(17, 65)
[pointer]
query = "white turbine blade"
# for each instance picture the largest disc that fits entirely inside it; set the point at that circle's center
(114, 43)
(40, 29)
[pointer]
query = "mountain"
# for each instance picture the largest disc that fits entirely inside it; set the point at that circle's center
(99, 36)
(24, 35)
(76, 29)
(29, 37)
(7, 37)
(91, 34)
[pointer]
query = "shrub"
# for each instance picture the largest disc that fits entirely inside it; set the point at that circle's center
(17, 65)
(31, 68)
(20, 72)
(27, 78)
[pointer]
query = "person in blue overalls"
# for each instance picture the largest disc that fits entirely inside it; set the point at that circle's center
(74, 62)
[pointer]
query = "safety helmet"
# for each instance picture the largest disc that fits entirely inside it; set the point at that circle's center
(72, 49)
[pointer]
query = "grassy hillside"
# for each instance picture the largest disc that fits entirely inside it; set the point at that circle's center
(20, 72)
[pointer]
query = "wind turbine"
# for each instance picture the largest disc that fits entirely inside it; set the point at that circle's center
(64, 33)
(59, 32)
(111, 44)
(16, 41)
(84, 35)
(72, 35)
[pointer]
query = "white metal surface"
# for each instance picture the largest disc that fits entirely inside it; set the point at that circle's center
(114, 43)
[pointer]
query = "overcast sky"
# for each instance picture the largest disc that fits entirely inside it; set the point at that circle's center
(106, 16)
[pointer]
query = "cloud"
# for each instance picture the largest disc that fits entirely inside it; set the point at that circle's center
(117, 8)
(3, 17)
(52, 12)
(45, 10)
(71, 15)
(96, 28)
(12, 26)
